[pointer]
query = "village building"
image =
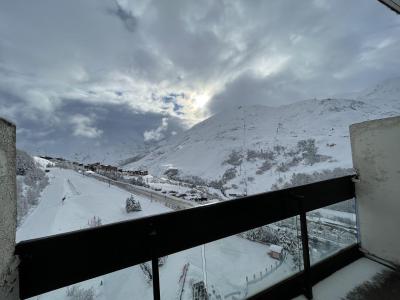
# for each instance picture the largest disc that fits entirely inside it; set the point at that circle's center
(275, 251)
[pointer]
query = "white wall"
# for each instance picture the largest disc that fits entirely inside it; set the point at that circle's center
(376, 156)
(8, 212)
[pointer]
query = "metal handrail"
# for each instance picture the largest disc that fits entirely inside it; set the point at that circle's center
(56, 261)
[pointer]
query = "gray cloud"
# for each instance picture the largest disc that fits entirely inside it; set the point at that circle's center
(158, 133)
(325, 50)
(115, 64)
(126, 16)
(249, 89)
(92, 132)
(83, 126)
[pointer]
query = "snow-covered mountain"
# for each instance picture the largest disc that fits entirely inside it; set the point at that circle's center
(115, 154)
(251, 149)
(386, 95)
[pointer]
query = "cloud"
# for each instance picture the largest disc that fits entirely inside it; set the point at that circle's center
(122, 131)
(158, 133)
(126, 16)
(83, 126)
(132, 62)
(251, 89)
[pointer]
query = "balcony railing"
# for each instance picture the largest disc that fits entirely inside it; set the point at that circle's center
(57, 261)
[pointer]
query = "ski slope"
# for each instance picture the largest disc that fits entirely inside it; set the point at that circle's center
(85, 198)
(226, 262)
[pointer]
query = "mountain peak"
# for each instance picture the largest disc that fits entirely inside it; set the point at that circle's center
(388, 90)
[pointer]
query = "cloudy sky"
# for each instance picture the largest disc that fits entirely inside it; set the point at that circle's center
(78, 75)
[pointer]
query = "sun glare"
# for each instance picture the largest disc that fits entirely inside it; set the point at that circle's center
(201, 99)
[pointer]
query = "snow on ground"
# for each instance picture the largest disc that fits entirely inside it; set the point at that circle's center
(184, 190)
(331, 214)
(43, 163)
(179, 189)
(343, 281)
(85, 198)
(227, 261)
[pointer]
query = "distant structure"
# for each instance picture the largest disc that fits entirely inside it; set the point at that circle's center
(95, 167)
(99, 168)
(107, 169)
(136, 173)
(275, 251)
(46, 157)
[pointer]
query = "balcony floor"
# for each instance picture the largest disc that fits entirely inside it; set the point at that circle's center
(360, 280)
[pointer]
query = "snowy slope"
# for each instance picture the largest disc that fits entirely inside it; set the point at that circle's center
(41, 162)
(386, 95)
(86, 197)
(386, 90)
(108, 153)
(202, 150)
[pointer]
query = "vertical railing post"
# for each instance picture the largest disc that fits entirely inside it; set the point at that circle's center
(156, 279)
(306, 253)
(9, 289)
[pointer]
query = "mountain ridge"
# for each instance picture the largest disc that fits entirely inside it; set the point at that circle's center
(250, 149)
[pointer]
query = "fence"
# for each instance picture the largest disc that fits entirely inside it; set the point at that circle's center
(51, 262)
(172, 202)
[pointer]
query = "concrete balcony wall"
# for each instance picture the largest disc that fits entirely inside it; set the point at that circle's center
(8, 212)
(376, 157)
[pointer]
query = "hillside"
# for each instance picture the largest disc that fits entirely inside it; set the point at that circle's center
(31, 180)
(252, 149)
(87, 198)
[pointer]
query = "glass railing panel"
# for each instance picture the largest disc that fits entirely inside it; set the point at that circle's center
(74, 201)
(130, 283)
(235, 267)
(331, 229)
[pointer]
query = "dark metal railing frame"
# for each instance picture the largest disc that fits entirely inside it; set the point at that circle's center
(57, 261)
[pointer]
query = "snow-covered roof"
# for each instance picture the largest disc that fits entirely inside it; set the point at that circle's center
(42, 162)
(276, 248)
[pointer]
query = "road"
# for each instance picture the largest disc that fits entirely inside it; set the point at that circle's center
(85, 198)
(172, 202)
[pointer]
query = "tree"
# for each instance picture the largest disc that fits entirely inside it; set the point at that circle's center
(31, 180)
(94, 222)
(132, 205)
(24, 163)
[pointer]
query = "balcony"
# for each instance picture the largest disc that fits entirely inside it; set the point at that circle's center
(50, 263)
(93, 252)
